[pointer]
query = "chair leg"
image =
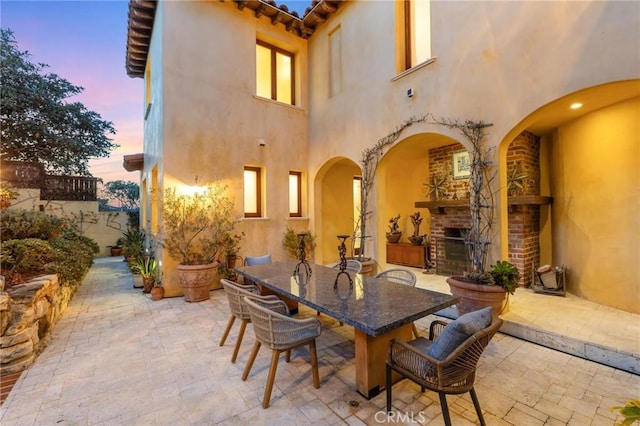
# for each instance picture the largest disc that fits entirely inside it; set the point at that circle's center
(272, 377)
(476, 404)
(252, 358)
(243, 326)
(388, 386)
(445, 409)
(314, 364)
(287, 356)
(227, 330)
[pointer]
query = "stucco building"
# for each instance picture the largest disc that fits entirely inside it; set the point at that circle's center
(244, 92)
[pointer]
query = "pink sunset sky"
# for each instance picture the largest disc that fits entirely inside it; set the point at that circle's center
(84, 42)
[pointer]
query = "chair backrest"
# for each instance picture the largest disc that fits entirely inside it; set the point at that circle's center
(352, 266)
(279, 331)
(257, 260)
(459, 367)
(397, 275)
(235, 295)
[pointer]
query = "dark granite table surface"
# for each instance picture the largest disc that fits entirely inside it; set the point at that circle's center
(374, 306)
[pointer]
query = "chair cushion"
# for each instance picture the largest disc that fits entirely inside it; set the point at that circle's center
(456, 332)
(257, 260)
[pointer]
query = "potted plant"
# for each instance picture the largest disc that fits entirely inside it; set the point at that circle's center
(157, 292)
(133, 243)
(291, 243)
(116, 250)
(230, 246)
(477, 288)
(394, 234)
(146, 267)
(193, 229)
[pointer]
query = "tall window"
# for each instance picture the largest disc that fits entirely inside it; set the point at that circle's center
(295, 194)
(416, 21)
(275, 73)
(252, 192)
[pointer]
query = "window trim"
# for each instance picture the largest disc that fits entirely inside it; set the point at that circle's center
(298, 176)
(258, 194)
(274, 75)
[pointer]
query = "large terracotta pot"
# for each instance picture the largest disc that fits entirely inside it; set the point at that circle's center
(369, 266)
(474, 296)
(196, 280)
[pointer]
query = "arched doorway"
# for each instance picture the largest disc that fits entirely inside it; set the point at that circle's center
(335, 206)
(585, 161)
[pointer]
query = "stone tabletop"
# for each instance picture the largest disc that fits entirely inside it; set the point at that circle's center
(374, 306)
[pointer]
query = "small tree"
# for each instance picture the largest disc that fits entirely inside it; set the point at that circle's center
(126, 193)
(194, 226)
(38, 123)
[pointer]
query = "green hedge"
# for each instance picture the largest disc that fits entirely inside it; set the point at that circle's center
(35, 243)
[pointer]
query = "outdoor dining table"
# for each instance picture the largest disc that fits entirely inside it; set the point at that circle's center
(378, 310)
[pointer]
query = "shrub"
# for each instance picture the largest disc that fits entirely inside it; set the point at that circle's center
(24, 258)
(291, 242)
(21, 224)
(73, 259)
(36, 243)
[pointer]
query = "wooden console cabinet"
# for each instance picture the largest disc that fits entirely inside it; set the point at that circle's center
(406, 254)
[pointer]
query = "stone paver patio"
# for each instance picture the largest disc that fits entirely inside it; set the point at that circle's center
(118, 358)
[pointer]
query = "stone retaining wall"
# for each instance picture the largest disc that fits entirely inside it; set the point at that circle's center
(28, 313)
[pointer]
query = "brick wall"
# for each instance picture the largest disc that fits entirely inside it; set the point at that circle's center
(440, 164)
(524, 220)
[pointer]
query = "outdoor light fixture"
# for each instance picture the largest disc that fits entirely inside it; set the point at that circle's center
(576, 105)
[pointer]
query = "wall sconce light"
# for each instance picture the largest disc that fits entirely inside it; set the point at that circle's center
(261, 142)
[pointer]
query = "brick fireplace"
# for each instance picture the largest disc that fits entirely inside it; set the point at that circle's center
(450, 212)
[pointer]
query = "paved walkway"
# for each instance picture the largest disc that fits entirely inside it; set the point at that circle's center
(118, 358)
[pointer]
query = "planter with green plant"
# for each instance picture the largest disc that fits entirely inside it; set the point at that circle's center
(193, 230)
(147, 268)
(480, 287)
(133, 242)
(230, 247)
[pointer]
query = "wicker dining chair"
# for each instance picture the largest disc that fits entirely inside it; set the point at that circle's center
(235, 295)
(444, 363)
(281, 334)
(400, 276)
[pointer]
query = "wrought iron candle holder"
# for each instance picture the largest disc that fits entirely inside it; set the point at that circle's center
(303, 266)
(342, 250)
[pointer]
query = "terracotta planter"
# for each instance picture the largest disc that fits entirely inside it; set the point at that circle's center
(368, 266)
(116, 251)
(147, 284)
(157, 293)
(474, 296)
(196, 280)
(231, 260)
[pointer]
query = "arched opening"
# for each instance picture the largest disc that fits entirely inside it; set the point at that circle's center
(335, 206)
(402, 179)
(579, 168)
